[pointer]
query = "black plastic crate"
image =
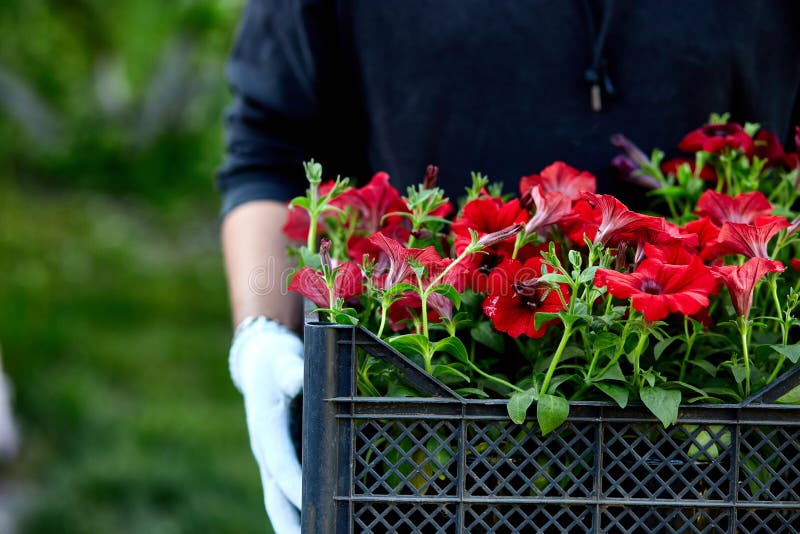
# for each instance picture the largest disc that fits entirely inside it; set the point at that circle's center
(446, 464)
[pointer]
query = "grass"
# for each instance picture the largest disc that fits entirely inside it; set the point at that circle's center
(114, 328)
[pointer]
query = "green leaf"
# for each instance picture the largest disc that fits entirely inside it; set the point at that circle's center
(485, 334)
(662, 345)
(542, 317)
(519, 403)
(587, 275)
(792, 352)
(300, 202)
(453, 346)
(444, 370)
(410, 344)
(738, 373)
(575, 258)
(450, 292)
(555, 278)
(616, 392)
(706, 366)
(605, 340)
(792, 397)
(551, 412)
(472, 392)
(663, 403)
(309, 259)
(400, 288)
(614, 373)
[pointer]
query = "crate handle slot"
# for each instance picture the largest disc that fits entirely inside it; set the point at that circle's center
(412, 372)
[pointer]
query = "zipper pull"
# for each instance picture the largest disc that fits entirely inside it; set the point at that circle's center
(597, 101)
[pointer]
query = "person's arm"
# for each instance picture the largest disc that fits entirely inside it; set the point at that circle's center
(256, 263)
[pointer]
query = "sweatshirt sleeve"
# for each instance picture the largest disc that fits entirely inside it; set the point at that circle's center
(272, 72)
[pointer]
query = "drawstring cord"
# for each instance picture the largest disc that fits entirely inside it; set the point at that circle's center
(597, 74)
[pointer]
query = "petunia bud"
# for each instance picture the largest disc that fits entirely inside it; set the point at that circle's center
(324, 255)
(630, 149)
(627, 168)
(793, 226)
(499, 236)
(431, 177)
(797, 138)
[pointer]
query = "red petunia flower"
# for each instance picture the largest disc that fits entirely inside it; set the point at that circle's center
(671, 167)
(618, 223)
(715, 137)
(750, 240)
(375, 200)
(657, 289)
(516, 295)
(396, 267)
(794, 263)
(486, 216)
(583, 221)
(551, 207)
(409, 306)
(743, 208)
(768, 147)
(741, 280)
(310, 283)
(674, 253)
(707, 233)
(560, 177)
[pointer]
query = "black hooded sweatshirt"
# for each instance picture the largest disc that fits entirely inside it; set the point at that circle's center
(503, 86)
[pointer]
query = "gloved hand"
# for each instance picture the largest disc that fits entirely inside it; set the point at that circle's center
(266, 364)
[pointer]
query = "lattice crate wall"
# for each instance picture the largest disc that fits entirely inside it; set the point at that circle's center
(445, 464)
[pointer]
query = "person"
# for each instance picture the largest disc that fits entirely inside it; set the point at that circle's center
(503, 88)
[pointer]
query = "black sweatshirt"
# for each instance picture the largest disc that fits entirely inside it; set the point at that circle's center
(497, 86)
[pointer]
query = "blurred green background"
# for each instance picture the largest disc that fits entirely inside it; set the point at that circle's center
(113, 316)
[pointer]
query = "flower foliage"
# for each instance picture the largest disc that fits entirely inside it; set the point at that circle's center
(565, 293)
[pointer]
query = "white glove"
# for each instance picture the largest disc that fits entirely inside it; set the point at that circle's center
(267, 367)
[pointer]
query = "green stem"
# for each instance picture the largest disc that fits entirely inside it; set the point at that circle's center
(494, 378)
(773, 286)
(744, 328)
(384, 312)
(518, 244)
(689, 345)
(637, 353)
(312, 212)
(556, 357)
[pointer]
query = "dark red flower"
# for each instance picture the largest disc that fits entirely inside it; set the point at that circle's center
(657, 289)
(311, 284)
(707, 233)
(583, 221)
(551, 207)
(671, 167)
(750, 240)
(516, 295)
(618, 223)
(674, 253)
(486, 216)
(409, 306)
(715, 137)
(562, 178)
(741, 280)
(794, 263)
(768, 147)
(373, 201)
(394, 267)
(743, 208)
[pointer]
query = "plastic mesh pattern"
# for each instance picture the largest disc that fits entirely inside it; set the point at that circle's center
(443, 464)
